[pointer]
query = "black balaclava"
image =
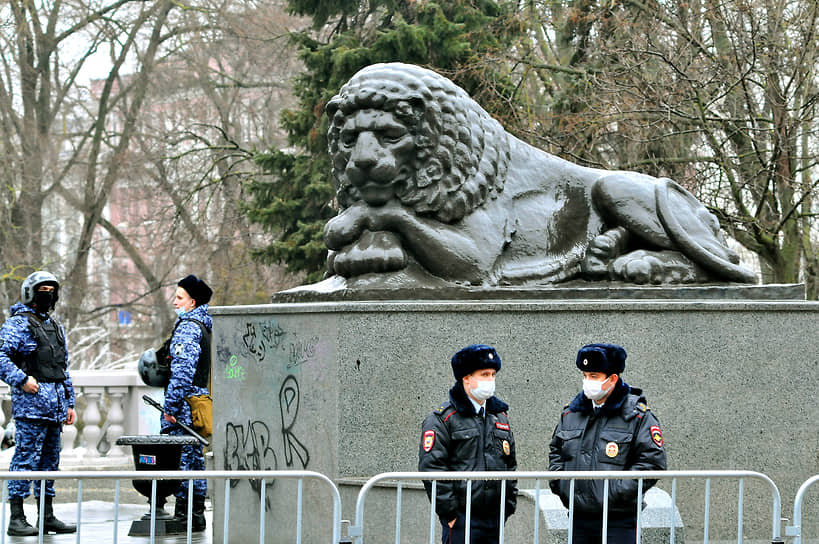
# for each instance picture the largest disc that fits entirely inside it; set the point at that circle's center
(44, 301)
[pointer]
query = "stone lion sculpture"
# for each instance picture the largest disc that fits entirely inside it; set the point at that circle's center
(431, 186)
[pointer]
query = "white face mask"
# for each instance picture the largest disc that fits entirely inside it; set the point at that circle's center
(594, 389)
(484, 389)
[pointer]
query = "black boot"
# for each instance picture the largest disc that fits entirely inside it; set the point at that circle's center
(51, 524)
(18, 526)
(199, 522)
(180, 513)
(180, 510)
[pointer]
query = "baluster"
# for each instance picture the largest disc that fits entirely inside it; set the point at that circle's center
(92, 418)
(68, 439)
(116, 418)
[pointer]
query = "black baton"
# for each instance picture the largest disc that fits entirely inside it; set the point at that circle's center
(148, 400)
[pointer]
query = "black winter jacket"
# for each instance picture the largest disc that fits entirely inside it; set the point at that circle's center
(623, 435)
(455, 438)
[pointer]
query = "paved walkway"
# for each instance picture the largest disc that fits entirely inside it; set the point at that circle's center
(97, 525)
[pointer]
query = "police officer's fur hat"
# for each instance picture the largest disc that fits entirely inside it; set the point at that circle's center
(606, 358)
(474, 357)
(196, 288)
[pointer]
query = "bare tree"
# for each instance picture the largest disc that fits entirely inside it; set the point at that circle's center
(718, 95)
(228, 82)
(100, 180)
(55, 145)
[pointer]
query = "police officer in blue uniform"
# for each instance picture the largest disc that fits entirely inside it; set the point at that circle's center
(607, 426)
(190, 371)
(34, 363)
(470, 432)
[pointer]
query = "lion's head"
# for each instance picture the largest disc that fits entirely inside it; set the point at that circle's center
(458, 154)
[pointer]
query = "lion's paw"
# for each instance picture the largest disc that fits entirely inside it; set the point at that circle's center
(346, 227)
(379, 251)
(656, 267)
(602, 250)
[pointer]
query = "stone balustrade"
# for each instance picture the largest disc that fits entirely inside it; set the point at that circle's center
(109, 405)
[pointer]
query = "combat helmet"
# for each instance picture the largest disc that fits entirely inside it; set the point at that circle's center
(34, 280)
(151, 371)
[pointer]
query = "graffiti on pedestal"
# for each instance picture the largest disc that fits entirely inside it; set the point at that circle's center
(302, 351)
(250, 446)
(289, 404)
(234, 370)
(260, 338)
(263, 356)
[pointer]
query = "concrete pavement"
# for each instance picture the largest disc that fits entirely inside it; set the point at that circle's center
(97, 524)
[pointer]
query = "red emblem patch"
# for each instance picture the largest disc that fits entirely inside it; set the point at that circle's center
(657, 435)
(429, 440)
(503, 426)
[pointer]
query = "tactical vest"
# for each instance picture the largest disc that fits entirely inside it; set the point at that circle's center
(202, 375)
(47, 363)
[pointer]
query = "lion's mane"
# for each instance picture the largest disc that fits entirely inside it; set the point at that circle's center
(462, 153)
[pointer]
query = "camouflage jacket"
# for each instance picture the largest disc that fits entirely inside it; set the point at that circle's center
(52, 401)
(185, 353)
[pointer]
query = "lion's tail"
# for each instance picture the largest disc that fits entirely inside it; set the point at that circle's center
(692, 249)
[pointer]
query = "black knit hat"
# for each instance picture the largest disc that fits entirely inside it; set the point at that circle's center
(474, 357)
(606, 358)
(196, 288)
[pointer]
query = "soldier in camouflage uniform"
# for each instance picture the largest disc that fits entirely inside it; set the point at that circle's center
(190, 368)
(34, 363)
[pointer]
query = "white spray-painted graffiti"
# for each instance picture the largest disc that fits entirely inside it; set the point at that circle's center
(302, 351)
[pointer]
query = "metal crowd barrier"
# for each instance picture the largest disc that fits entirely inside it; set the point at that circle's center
(795, 530)
(356, 531)
(189, 476)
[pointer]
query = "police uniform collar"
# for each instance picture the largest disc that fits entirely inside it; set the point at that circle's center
(475, 404)
(613, 404)
(460, 400)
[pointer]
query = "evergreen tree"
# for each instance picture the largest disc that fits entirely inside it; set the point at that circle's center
(465, 40)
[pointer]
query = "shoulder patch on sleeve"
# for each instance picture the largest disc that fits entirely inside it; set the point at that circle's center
(657, 435)
(429, 440)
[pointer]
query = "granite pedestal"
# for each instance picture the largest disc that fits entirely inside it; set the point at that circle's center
(342, 387)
